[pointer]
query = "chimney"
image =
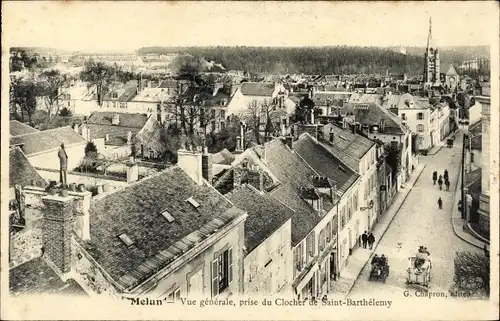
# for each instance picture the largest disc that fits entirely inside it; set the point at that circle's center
(332, 134)
(289, 142)
(57, 231)
(312, 116)
(106, 138)
(132, 171)
(82, 216)
(206, 165)
(115, 120)
(129, 137)
(191, 163)
(137, 90)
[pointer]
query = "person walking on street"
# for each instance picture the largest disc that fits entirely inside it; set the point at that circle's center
(371, 240)
(364, 239)
(440, 203)
(434, 177)
(446, 177)
(440, 182)
(447, 183)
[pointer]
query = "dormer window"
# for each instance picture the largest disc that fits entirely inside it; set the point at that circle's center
(114, 95)
(126, 239)
(193, 202)
(168, 216)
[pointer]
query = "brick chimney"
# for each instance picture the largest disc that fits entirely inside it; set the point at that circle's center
(191, 163)
(57, 231)
(206, 165)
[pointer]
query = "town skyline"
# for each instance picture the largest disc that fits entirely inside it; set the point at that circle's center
(293, 25)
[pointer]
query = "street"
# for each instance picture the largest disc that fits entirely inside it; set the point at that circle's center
(421, 222)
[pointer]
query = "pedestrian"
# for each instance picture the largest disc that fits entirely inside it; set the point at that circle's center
(371, 240)
(364, 239)
(434, 177)
(440, 203)
(446, 174)
(440, 182)
(447, 183)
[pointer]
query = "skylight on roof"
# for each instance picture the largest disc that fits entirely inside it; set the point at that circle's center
(125, 239)
(168, 216)
(193, 202)
(342, 137)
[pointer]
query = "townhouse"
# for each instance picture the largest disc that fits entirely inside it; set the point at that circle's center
(169, 235)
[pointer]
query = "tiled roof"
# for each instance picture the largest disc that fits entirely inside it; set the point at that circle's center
(47, 140)
(325, 163)
(36, 277)
(347, 146)
(117, 134)
(150, 135)
(374, 114)
(21, 172)
(126, 119)
(137, 211)
(219, 96)
(126, 92)
(265, 214)
(293, 173)
(17, 128)
(257, 89)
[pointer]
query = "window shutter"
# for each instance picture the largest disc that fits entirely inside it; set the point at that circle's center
(215, 278)
(230, 264)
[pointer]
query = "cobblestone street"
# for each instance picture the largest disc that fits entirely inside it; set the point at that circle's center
(420, 222)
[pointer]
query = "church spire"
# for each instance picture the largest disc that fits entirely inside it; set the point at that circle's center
(429, 36)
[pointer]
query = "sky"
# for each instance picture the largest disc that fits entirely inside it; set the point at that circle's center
(127, 26)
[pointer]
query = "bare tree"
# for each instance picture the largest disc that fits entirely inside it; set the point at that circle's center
(49, 85)
(23, 96)
(101, 77)
(263, 118)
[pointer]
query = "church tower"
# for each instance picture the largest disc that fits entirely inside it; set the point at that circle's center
(431, 64)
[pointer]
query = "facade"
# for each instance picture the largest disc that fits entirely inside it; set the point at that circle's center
(484, 200)
(261, 93)
(473, 152)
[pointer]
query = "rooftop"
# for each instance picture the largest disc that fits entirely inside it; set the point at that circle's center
(265, 214)
(36, 277)
(21, 172)
(126, 119)
(136, 211)
(324, 162)
(17, 128)
(374, 114)
(257, 89)
(44, 141)
(347, 146)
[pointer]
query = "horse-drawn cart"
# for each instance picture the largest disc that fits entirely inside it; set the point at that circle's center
(419, 270)
(380, 269)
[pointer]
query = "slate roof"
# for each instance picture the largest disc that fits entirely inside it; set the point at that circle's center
(293, 174)
(265, 214)
(224, 157)
(325, 163)
(347, 146)
(137, 211)
(150, 136)
(126, 92)
(36, 277)
(21, 172)
(46, 140)
(100, 124)
(17, 128)
(257, 89)
(374, 114)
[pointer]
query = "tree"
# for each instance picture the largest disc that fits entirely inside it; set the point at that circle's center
(261, 117)
(49, 85)
(303, 110)
(23, 96)
(472, 273)
(99, 76)
(90, 149)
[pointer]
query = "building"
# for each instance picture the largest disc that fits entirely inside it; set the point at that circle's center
(268, 262)
(473, 149)
(41, 147)
(451, 78)
(431, 62)
(484, 201)
(261, 93)
(169, 235)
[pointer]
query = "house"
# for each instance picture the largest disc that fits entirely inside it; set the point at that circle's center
(78, 99)
(113, 132)
(450, 78)
(359, 154)
(16, 128)
(330, 103)
(118, 98)
(168, 236)
(380, 124)
(268, 258)
(262, 93)
(474, 147)
(41, 147)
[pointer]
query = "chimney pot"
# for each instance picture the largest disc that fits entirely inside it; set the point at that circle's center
(132, 171)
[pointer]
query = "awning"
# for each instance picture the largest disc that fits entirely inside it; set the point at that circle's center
(306, 278)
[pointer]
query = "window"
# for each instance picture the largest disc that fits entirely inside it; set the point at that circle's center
(222, 272)
(420, 128)
(114, 95)
(342, 223)
(223, 114)
(472, 157)
(403, 116)
(222, 125)
(168, 216)
(310, 246)
(356, 201)
(175, 295)
(212, 113)
(193, 202)
(126, 240)
(328, 232)
(299, 254)
(123, 105)
(420, 116)
(322, 241)
(212, 125)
